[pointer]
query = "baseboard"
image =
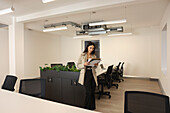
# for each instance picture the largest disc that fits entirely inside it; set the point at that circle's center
(140, 77)
(161, 87)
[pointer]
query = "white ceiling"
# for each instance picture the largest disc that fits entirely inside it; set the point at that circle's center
(139, 13)
(24, 7)
(143, 14)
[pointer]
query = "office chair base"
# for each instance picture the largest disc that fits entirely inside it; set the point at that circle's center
(103, 93)
(119, 80)
(122, 80)
(117, 85)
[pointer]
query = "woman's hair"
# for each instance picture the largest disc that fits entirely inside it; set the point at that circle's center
(89, 44)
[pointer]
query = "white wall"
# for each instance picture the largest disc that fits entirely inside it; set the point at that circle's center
(70, 49)
(4, 57)
(40, 48)
(165, 79)
(140, 52)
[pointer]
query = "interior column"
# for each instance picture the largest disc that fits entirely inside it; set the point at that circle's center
(16, 50)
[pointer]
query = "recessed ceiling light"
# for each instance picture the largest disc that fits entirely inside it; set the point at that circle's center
(46, 1)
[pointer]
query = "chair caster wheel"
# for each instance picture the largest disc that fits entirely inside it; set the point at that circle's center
(116, 86)
(109, 96)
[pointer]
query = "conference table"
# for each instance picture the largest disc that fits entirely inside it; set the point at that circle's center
(12, 102)
(100, 71)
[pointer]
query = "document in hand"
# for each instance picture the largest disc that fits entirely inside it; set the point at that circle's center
(93, 61)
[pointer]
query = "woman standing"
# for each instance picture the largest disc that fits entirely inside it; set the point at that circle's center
(88, 75)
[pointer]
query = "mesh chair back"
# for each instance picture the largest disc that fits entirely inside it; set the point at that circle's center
(118, 66)
(70, 64)
(9, 83)
(52, 65)
(121, 70)
(122, 66)
(33, 87)
(109, 70)
(116, 71)
(145, 102)
(108, 74)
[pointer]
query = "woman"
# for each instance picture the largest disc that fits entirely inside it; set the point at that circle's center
(88, 75)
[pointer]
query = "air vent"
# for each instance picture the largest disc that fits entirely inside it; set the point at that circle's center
(93, 28)
(97, 30)
(81, 33)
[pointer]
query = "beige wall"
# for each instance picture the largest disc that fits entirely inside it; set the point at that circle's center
(140, 52)
(40, 48)
(70, 49)
(4, 57)
(165, 79)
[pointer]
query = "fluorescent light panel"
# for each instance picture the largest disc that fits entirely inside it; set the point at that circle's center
(96, 29)
(6, 11)
(108, 22)
(46, 1)
(120, 34)
(82, 36)
(97, 32)
(119, 29)
(55, 29)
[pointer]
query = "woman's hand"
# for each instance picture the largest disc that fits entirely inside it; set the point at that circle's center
(86, 63)
(96, 64)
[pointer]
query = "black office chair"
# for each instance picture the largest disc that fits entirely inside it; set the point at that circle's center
(33, 87)
(145, 102)
(104, 80)
(115, 73)
(112, 82)
(102, 66)
(70, 64)
(120, 72)
(9, 82)
(52, 65)
(119, 64)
